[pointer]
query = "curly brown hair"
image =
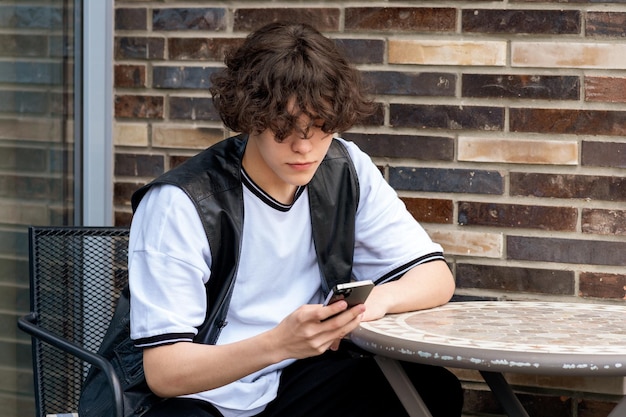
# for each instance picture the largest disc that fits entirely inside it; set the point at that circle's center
(283, 71)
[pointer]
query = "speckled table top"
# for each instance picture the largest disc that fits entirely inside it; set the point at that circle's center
(531, 337)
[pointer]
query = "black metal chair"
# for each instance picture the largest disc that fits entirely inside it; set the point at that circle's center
(76, 276)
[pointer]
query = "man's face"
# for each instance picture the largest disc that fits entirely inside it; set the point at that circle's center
(293, 161)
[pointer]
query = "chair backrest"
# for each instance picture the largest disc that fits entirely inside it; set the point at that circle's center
(76, 275)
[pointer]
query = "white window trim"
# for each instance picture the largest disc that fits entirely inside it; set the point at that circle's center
(97, 113)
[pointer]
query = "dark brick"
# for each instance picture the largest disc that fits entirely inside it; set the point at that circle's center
(57, 46)
(565, 121)
(408, 19)
(131, 19)
(515, 279)
(323, 19)
(567, 1)
(521, 86)
(568, 186)
(192, 108)
(605, 24)
(30, 188)
(182, 77)
(60, 102)
(143, 107)
(588, 407)
(604, 221)
(31, 73)
(212, 49)
(23, 158)
(430, 210)
(604, 154)
(58, 160)
(122, 218)
(24, 102)
(551, 22)
(605, 89)
(477, 402)
(377, 118)
(189, 18)
(518, 216)
(13, 241)
(422, 148)
(139, 48)
(546, 405)
(130, 76)
(411, 84)
(362, 51)
(484, 403)
(176, 160)
(446, 117)
(122, 192)
(138, 165)
(464, 298)
(446, 180)
(571, 251)
(31, 17)
(23, 45)
(600, 285)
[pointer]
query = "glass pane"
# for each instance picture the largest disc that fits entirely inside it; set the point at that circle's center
(36, 159)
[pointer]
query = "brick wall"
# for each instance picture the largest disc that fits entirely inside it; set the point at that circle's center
(500, 124)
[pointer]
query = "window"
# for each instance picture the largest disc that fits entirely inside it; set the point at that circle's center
(55, 149)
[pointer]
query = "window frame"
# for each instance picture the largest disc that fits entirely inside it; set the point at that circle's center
(93, 45)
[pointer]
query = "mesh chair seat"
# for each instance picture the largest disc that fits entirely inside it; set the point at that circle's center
(76, 276)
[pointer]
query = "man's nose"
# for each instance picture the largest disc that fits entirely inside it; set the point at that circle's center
(301, 145)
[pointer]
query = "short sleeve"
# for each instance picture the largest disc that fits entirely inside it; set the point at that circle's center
(169, 263)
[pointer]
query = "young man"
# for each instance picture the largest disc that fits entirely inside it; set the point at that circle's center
(269, 220)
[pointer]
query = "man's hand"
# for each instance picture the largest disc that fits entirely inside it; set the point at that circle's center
(311, 329)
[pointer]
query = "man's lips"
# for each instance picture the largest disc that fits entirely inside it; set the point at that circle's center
(300, 165)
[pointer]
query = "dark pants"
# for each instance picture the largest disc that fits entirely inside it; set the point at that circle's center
(341, 384)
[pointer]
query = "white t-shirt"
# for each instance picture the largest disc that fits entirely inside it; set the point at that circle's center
(170, 262)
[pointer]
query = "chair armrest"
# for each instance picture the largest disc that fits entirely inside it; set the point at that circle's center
(28, 324)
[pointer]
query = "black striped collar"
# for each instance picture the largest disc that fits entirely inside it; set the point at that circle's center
(266, 198)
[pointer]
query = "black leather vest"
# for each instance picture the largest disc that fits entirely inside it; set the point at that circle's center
(212, 180)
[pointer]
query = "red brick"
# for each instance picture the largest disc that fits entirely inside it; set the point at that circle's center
(518, 216)
(211, 49)
(430, 210)
(522, 21)
(131, 19)
(605, 89)
(413, 19)
(189, 18)
(141, 107)
(590, 187)
(604, 222)
(601, 285)
(605, 24)
(324, 19)
(129, 47)
(130, 76)
(565, 121)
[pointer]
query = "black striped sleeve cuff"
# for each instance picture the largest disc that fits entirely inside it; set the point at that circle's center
(163, 339)
(398, 272)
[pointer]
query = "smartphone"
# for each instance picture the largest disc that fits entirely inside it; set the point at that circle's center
(353, 292)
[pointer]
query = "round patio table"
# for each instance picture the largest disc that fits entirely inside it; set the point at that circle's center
(492, 337)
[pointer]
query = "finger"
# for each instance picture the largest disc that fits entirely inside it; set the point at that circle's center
(335, 345)
(334, 309)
